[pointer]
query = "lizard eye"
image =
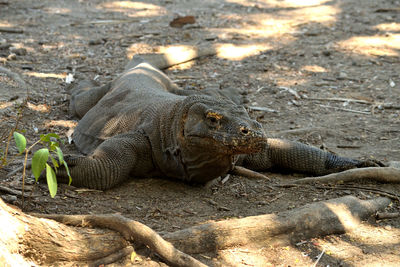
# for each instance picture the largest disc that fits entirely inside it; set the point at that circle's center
(213, 117)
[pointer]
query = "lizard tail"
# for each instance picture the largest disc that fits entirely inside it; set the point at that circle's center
(172, 56)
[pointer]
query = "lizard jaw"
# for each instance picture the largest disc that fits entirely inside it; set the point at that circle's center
(228, 144)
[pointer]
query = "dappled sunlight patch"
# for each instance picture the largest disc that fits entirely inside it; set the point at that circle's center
(388, 45)
(365, 239)
(4, 23)
(40, 108)
(322, 14)
(61, 123)
(4, 105)
(279, 24)
(347, 220)
(279, 3)
(57, 10)
(392, 27)
(313, 68)
(137, 9)
(46, 75)
(290, 81)
(138, 48)
(239, 52)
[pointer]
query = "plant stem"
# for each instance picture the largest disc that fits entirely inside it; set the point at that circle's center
(24, 172)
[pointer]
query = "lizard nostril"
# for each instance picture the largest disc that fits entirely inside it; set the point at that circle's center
(245, 131)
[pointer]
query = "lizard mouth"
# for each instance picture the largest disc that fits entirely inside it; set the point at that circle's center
(228, 144)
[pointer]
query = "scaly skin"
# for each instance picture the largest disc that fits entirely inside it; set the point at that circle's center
(143, 125)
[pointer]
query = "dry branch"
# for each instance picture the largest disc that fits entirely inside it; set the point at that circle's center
(237, 170)
(379, 174)
(387, 215)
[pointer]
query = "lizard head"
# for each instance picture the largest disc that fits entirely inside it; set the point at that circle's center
(221, 125)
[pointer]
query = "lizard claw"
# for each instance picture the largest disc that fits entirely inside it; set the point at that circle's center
(370, 163)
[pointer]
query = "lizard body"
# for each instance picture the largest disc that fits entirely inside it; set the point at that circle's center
(143, 125)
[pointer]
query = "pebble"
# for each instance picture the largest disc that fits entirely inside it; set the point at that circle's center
(18, 51)
(342, 76)
(12, 56)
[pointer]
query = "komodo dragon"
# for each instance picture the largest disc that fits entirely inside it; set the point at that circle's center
(144, 125)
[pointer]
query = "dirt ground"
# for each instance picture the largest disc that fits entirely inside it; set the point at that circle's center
(324, 69)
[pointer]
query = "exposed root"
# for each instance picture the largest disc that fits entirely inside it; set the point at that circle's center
(56, 242)
(379, 174)
(387, 215)
(130, 230)
(113, 257)
(335, 216)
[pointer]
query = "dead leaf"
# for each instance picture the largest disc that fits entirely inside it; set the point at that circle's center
(179, 22)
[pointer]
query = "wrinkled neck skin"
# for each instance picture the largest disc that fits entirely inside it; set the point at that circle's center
(203, 165)
(179, 159)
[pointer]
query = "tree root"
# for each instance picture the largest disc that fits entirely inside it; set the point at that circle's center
(387, 215)
(49, 242)
(379, 174)
(130, 230)
(317, 219)
(113, 257)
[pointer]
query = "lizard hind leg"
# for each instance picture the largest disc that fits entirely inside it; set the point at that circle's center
(85, 95)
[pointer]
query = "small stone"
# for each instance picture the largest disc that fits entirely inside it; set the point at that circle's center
(96, 42)
(12, 56)
(388, 227)
(342, 76)
(18, 51)
(326, 53)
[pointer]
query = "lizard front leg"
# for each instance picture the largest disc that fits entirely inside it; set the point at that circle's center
(295, 156)
(115, 160)
(84, 96)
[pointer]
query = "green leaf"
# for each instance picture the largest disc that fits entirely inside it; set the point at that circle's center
(39, 160)
(20, 140)
(54, 145)
(54, 161)
(51, 180)
(60, 155)
(46, 137)
(67, 169)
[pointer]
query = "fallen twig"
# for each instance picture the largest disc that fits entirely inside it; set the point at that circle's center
(387, 215)
(131, 230)
(262, 109)
(237, 170)
(11, 30)
(10, 191)
(348, 110)
(105, 21)
(20, 168)
(339, 99)
(350, 100)
(379, 174)
(377, 191)
(319, 258)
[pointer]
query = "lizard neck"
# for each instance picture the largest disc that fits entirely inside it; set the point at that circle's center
(201, 165)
